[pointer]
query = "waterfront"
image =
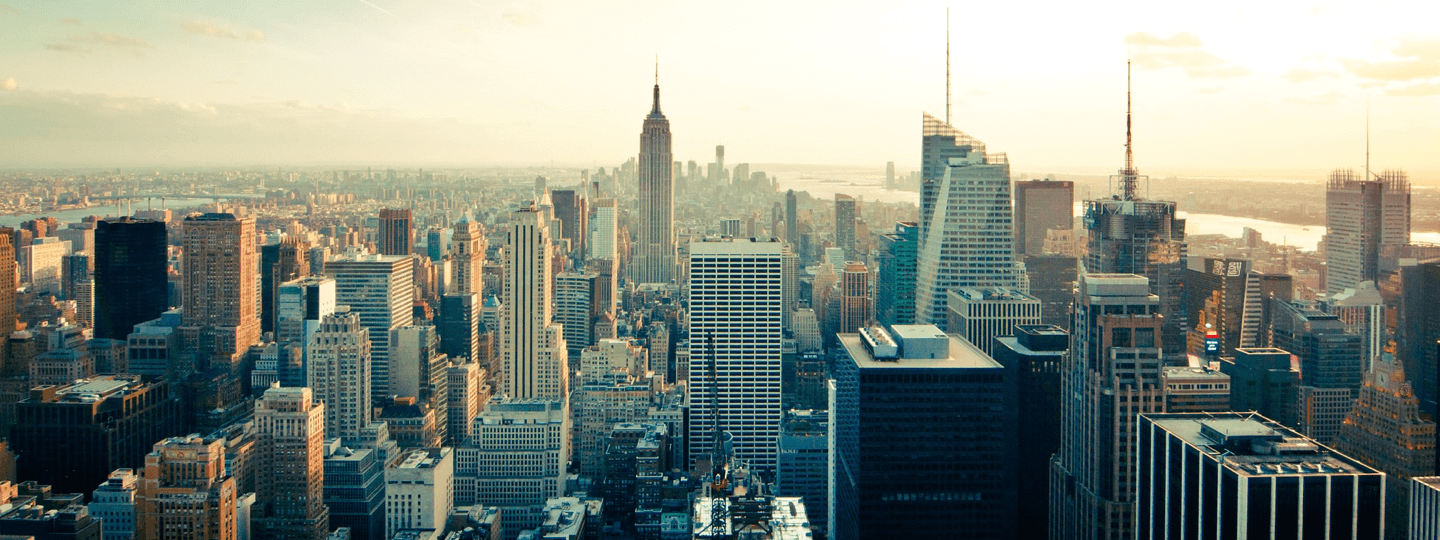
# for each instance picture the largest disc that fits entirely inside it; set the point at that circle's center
(77, 214)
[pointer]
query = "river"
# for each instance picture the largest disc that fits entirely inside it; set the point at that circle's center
(79, 214)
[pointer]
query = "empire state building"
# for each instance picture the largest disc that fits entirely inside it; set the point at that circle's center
(654, 260)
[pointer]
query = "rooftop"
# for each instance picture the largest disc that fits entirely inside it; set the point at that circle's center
(962, 354)
(419, 458)
(1252, 445)
(992, 294)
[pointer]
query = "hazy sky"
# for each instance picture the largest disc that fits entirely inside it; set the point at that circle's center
(1220, 86)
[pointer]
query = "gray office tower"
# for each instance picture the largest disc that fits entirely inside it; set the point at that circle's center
(1419, 328)
(355, 490)
(792, 237)
(1114, 376)
(845, 215)
(895, 288)
(1332, 366)
(1240, 475)
(1041, 205)
(924, 438)
(1262, 380)
(570, 209)
(1364, 217)
(1052, 280)
(1033, 358)
(131, 283)
(460, 325)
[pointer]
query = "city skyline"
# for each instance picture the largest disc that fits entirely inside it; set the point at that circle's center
(1276, 88)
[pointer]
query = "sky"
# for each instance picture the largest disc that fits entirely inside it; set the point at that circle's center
(1222, 88)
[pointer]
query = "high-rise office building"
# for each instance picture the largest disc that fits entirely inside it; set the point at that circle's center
(279, 263)
(966, 236)
(889, 175)
(1195, 389)
(1225, 295)
(1362, 309)
(845, 216)
(735, 335)
(602, 231)
(113, 502)
(792, 217)
(130, 275)
(395, 234)
(1239, 475)
(1385, 431)
(300, 305)
(419, 490)
(437, 242)
(1419, 328)
(338, 358)
(805, 462)
(1034, 358)
(570, 210)
(290, 489)
(1363, 217)
(981, 314)
(221, 317)
(468, 394)
(186, 492)
(77, 280)
(381, 290)
(517, 460)
(895, 286)
(72, 436)
(355, 490)
(1331, 367)
(1262, 380)
(1424, 508)
(576, 309)
(460, 325)
(855, 307)
(789, 284)
(533, 345)
(1113, 376)
(730, 227)
(467, 256)
(1052, 280)
(654, 260)
(7, 287)
(958, 422)
(418, 369)
(1041, 205)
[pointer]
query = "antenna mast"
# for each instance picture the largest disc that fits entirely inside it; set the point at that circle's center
(1368, 174)
(1128, 176)
(947, 66)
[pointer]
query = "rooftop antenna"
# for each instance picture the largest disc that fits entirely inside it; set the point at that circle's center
(1368, 174)
(1127, 176)
(947, 66)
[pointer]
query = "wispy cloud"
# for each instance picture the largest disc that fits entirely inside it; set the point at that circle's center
(1302, 75)
(70, 21)
(1416, 90)
(8, 84)
(1321, 100)
(383, 10)
(1184, 51)
(7, 9)
(1415, 70)
(207, 28)
(68, 48)
(82, 44)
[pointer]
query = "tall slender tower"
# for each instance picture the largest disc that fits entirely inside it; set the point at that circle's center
(7, 288)
(845, 214)
(292, 426)
(534, 345)
(1363, 217)
(221, 316)
(467, 256)
(130, 275)
(338, 359)
(655, 247)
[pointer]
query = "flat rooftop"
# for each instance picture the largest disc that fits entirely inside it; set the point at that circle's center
(963, 355)
(1276, 450)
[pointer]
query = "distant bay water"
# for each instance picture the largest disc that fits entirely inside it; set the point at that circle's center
(79, 214)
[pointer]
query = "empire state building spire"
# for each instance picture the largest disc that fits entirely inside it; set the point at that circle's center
(654, 250)
(655, 109)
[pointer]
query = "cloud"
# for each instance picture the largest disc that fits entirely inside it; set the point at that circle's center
(206, 28)
(7, 9)
(1415, 90)
(8, 84)
(68, 48)
(1302, 75)
(76, 44)
(71, 22)
(1415, 70)
(1183, 51)
(518, 19)
(1322, 99)
(1394, 70)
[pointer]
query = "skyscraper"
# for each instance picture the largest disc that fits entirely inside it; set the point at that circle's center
(1112, 377)
(339, 374)
(381, 290)
(895, 287)
(186, 488)
(1041, 205)
(533, 345)
(735, 290)
(396, 233)
(221, 316)
(1363, 217)
(792, 217)
(570, 210)
(279, 263)
(981, 314)
(654, 260)
(576, 308)
(355, 490)
(856, 309)
(1239, 475)
(1419, 327)
(1225, 295)
(966, 238)
(131, 284)
(290, 489)
(467, 256)
(958, 424)
(1385, 431)
(845, 225)
(602, 236)
(1034, 358)
(1362, 309)
(7, 287)
(1262, 380)
(1331, 367)
(1052, 280)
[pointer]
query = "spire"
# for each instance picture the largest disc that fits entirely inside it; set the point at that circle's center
(1128, 175)
(655, 109)
(1368, 174)
(947, 66)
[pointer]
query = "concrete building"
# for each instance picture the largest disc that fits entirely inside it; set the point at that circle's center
(339, 369)
(602, 231)
(654, 260)
(467, 256)
(355, 490)
(419, 490)
(1041, 205)
(576, 308)
(1385, 431)
(533, 345)
(1195, 389)
(805, 463)
(114, 503)
(7, 292)
(1331, 366)
(186, 487)
(290, 486)
(469, 392)
(735, 335)
(1362, 309)
(1113, 377)
(1262, 380)
(221, 301)
(981, 314)
(570, 210)
(1261, 480)
(280, 262)
(846, 213)
(1425, 508)
(396, 232)
(418, 370)
(1034, 359)
(517, 460)
(300, 305)
(1363, 216)
(853, 304)
(381, 289)
(962, 446)
(600, 404)
(116, 419)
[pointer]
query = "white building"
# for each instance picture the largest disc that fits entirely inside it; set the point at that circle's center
(43, 261)
(299, 307)
(575, 309)
(981, 314)
(468, 394)
(467, 257)
(532, 344)
(339, 373)
(114, 503)
(517, 459)
(419, 490)
(735, 289)
(602, 230)
(381, 289)
(969, 241)
(609, 357)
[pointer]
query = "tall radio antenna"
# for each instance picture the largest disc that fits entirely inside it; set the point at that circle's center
(947, 66)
